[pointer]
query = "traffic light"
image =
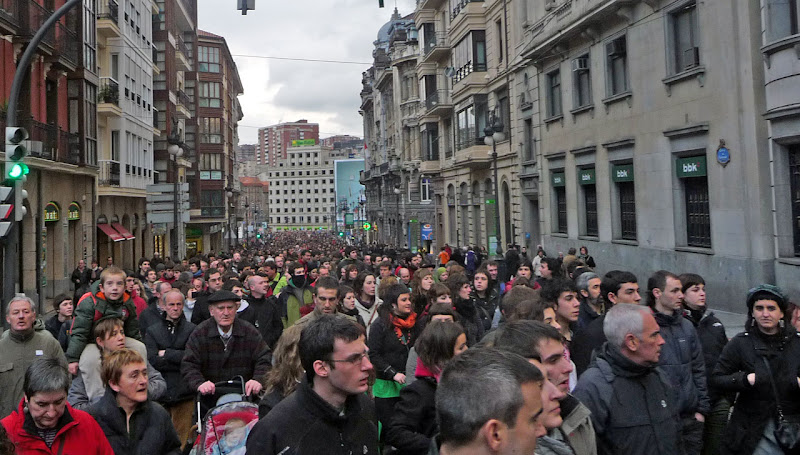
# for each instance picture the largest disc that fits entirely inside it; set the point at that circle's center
(341, 234)
(16, 169)
(6, 209)
(367, 226)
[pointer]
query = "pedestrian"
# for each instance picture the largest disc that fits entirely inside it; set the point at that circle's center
(563, 294)
(584, 256)
(414, 422)
(485, 297)
(132, 423)
(390, 339)
(330, 404)
(286, 373)
(44, 423)
(681, 358)
(488, 402)
(647, 421)
(209, 283)
(761, 366)
(326, 300)
(297, 294)
(81, 278)
(548, 269)
(262, 311)
(460, 291)
(367, 300)
(25, 341)
(62, 303)
(420, 285)
(592, 305)
(347, 305)
(155, 307)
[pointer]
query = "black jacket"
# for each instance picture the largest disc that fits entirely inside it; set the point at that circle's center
(171, 338)
(387, 352)
(682, 362)
(149, 317)
(305, 424)
(584, 341)
(587, 314)
(634, 410)
(755, 404)
(713, 340)
(264, 314)
(413, 423)
(200, 312)
(53, 325)
(486, 306)
(470, 319)
(151, 424)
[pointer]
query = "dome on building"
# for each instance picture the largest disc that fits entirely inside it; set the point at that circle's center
(385, 31)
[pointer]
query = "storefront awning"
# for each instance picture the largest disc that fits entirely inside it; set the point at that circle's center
(110, 232)
(121, 229)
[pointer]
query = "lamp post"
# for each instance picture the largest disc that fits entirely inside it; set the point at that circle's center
(399, 222)
(493, 133)
(175, 150)
(229, 191)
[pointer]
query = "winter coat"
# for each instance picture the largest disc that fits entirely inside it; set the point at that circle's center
(634, 409)
(91, 308)
(290, 301)
(151, 425)
(200, 312)
(486, 305)
(587, 314)
(577, 426)
(171, 338)
(151, 315)
(413, 423)
(470, 319)
(17, 353)
(305, 424)
(755, 404)
(263, 313)
(207, 359)
(368, 315)
(387, 352)
(79, 398)
(682, 362)
(79, 433)
(53, 325)
(584, 341)
(713, 339)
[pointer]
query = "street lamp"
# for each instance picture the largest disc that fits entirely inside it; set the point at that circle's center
(399, 222)
(229, 191)
(493, 133)
(175, 150)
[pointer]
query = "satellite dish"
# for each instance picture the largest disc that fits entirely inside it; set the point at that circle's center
(450, 71)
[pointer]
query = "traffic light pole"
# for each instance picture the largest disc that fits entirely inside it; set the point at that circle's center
(11, 255)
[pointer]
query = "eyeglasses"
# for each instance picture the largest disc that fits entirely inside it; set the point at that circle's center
(355, 359)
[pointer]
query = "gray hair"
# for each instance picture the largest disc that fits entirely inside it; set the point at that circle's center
(171, 291)
(46, 375)
(623, 319)
(159, 285)
(461, 405)
(21, 298)
(583, 280)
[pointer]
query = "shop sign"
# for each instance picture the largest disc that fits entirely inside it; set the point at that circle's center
(693, 166)
(303, 142)
(52, 212)
(74, 213)
(427, 231)
(622, 173)
(558, 179)
(586, 176)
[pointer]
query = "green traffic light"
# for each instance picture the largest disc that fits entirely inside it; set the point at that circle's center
(17, 171)
(341, 234)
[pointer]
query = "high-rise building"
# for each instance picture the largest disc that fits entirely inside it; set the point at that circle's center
(274, 140)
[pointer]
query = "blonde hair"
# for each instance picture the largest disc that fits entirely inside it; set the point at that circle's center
(287, 369)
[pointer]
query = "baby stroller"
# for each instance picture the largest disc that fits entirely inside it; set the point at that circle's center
(228, 417)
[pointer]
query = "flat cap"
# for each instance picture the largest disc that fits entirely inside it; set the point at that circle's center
(223, 296)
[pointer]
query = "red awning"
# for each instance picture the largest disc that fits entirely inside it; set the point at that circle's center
(110, 232)
(125, 233)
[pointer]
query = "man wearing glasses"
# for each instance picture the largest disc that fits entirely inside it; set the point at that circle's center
(330, 411)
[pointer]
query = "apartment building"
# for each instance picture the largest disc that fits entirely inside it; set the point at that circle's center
(301, 191)
(254, 199)
(56, 106)
(275, 140)
(125, 129)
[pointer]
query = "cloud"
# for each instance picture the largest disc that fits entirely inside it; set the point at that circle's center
(281, 90)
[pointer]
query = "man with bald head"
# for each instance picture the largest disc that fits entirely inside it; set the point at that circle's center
(262, 311)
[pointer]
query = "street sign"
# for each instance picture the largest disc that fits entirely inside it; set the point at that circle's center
(167, 217)
(166, 206)
(166, 197)
(167, 188)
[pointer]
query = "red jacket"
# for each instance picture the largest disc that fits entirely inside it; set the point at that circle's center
(81, 436)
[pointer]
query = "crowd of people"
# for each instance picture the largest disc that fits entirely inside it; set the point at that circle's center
(366, 349)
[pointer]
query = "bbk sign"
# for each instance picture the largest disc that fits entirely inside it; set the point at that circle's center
(558, 179)
(622, 173)
(694, 166)
(586, 176)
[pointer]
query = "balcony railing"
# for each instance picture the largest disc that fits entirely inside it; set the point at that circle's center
(438, 98)
(32, 19)
(109, 173)
(9, 11)
(109, 10)
(67, 44)
(184, 99)
(435, 40)
(181, 45)
(109, 91)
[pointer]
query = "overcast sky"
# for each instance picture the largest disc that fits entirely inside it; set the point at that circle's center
(284, 91)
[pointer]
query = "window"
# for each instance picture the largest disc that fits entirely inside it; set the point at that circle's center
(210, 132)
(590, 204)
(528, 142)
(499, 31)
(212, 203)
(554, 94)
(115, 145)
(430, 142)
(782, 19)
(209, 94)
(208, 59)
(685, 50)
(794, 184)
(561, 209)
(211, 161)
(425, 190)
(465, 130)
(692, 172)
(627, 206)
(504, 108)
(582, 82)
(617, 66)
(469, 55)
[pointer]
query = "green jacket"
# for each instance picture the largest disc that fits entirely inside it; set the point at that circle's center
(92, 307)
(17, 353)
(289, 303)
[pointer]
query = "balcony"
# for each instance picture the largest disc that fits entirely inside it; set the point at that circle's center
(409, 111)
(184, 105)
(185, 14)
(475, 156)
(109, 173)
(9, 16)
(460, 5)
(32, 16)
(438, 102)
(66, 52)
(108, 19)
(50, 142)
(436, 47)
(182, 54)
(429, 4)
(108, 98)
